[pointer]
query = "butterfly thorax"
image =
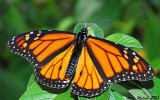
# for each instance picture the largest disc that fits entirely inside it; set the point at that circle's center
(82, 36)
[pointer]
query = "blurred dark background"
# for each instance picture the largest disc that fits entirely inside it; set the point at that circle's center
(138, 18)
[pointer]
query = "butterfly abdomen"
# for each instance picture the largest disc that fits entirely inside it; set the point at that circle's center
(73, 61)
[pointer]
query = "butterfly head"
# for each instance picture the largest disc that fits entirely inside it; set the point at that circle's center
(84, 31)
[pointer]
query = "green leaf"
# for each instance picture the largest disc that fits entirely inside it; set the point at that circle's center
(146, 89)
(116, 96)
(137, 93)
(124, 40)
(120, 89)
(93, 29)
(136, 89)
(155, 90)
(103, 96)
(64, 96)
(36, 91)
(31, 81)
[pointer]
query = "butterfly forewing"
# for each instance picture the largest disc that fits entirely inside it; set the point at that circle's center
(39, 47)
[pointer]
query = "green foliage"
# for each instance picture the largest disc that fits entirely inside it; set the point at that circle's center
(138, 18)
(36, 92)
(104, 96)
(135, 89)
(116, 96)
(155, 90)
(124, 40)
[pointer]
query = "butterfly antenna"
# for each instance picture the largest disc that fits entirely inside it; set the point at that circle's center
(81, 21)
(99, 22)
(102, 21)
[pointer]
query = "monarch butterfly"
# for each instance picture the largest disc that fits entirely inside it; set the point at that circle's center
(95, 63)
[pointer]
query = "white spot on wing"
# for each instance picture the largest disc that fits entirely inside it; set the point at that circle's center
(40, 31)
(31, 32)
(133, 53)
(126, 48)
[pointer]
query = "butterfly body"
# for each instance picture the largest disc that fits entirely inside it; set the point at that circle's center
(95, 63)
(81, 38)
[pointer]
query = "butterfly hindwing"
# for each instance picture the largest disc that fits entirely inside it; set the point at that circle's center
(53, 73)
(116, 62)
(87, 80)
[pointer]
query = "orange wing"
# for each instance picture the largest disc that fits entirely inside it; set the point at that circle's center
(116, 62)
(39, 47)
(48, 51)
(87, 80)
(53, 73)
